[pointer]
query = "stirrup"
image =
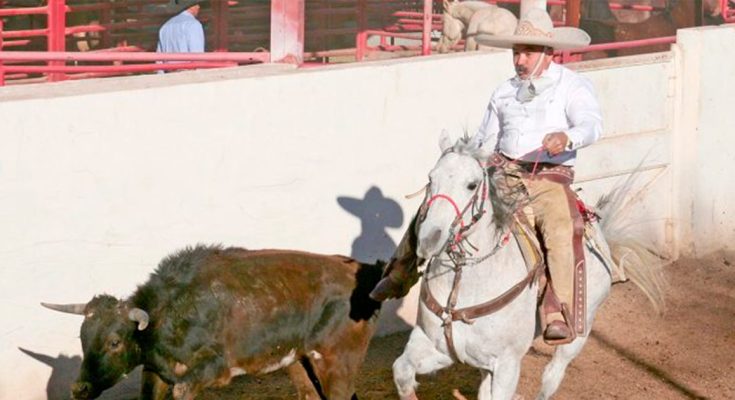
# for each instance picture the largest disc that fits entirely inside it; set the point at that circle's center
(567, 318)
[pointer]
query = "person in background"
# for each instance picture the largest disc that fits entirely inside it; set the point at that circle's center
(183, 33)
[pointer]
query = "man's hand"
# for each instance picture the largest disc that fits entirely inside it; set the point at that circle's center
(555, 143)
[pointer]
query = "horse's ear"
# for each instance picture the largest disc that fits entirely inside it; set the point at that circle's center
(445, 142)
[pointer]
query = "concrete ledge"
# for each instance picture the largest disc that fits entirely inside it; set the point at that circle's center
(116, 84)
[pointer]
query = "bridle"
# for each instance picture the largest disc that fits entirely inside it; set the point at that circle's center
(454, 247)
(456, 243)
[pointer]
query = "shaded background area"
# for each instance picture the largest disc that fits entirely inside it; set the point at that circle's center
(377, 213)
(65, 369)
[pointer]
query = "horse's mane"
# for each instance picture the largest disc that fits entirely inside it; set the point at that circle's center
(505, 201)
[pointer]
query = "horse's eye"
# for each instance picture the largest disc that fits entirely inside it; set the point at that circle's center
(472, 186)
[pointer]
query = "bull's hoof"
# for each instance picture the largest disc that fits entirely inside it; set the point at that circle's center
(182, 391)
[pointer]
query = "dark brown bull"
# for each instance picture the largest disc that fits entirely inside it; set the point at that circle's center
(208, 314)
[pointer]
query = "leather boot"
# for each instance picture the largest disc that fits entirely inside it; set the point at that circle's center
(557, 330)
(386, 289)
(402, 270)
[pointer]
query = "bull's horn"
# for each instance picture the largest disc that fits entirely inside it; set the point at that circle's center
(139, 316)
(67, 308)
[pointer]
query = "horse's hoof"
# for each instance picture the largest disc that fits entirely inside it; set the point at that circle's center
(411, 396)
(457, 395)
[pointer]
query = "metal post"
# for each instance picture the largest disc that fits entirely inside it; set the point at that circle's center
(698, 13)
(287, 31)
(56, 33)
(573, 11)
(105, 20)
(2, 70)
(426, 31)
(220, 13)
(361, 38)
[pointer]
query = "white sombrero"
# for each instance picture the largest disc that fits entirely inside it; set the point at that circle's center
(536, 28)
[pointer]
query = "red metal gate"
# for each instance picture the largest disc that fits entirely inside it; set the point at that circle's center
(238, 31)
(125, 26)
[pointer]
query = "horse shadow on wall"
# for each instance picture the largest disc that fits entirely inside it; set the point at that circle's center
(377, 213)
(64, 371)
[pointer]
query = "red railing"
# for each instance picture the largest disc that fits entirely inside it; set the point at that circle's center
(120, 21)
(121, 62)
(116, 21)
(409, 24)
(573, 55)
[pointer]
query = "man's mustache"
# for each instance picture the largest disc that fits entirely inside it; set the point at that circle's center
(521, 70)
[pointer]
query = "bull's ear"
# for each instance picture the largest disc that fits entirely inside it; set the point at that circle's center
(445, 142)
(139, 316)
(67, 308)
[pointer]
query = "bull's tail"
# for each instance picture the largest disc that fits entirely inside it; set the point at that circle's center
(630, 249)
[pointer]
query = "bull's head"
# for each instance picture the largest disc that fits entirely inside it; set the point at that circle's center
(109, 342)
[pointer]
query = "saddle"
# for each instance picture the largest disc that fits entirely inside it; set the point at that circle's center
(532, 248)
(402, 271)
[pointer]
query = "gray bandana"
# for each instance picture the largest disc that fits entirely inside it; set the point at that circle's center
(533, 87)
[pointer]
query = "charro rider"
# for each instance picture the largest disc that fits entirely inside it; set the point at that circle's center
(537, 121)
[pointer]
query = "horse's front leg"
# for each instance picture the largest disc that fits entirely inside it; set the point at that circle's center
(501, 384)
(419, 357)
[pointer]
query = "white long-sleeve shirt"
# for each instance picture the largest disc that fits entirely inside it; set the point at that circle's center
(517, 129)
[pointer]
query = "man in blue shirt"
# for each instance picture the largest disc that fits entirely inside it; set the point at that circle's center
(183, 33)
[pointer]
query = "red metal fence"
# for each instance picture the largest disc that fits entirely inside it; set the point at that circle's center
(121, 35)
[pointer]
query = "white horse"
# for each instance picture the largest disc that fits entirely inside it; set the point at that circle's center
(496, 343)
(469, 18)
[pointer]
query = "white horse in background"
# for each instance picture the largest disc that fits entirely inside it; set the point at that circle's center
(496, 343)
(468, 19)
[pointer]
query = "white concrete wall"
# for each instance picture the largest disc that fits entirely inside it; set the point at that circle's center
(705, 130)
(100, 180)
(97, 187)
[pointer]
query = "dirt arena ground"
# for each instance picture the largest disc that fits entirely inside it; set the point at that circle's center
(687, 353)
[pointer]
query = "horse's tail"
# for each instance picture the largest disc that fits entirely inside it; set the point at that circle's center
(630, 249)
